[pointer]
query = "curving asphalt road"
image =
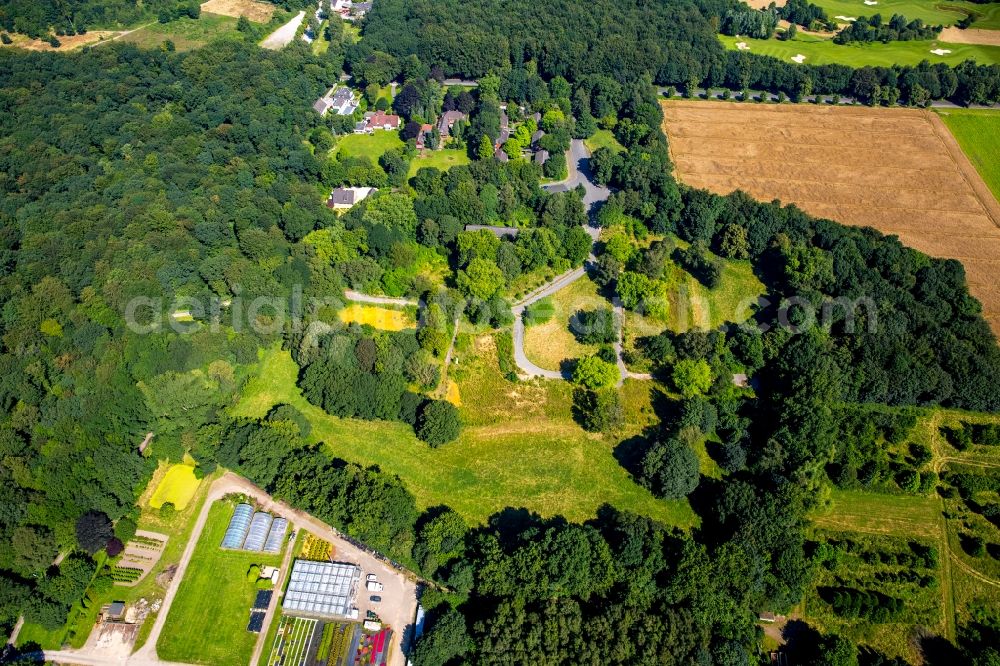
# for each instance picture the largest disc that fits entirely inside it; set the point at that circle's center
(578, 165)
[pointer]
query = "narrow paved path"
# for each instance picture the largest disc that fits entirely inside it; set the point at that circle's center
(283, 35)
(358, 297)
(272, 608)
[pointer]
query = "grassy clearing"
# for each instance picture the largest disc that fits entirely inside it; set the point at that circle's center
(820, 51)
(876, 513)
(177, 487)
(549, 344)
(207, 621)
(854, 567)
(519, 447)
(931, 11)
(367, 145)
(254, 10)
(185, 33)
(978, 132)
(381, 318)
(441, 159)
(603, 139)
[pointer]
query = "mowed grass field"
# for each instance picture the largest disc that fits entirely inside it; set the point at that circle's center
(820, 51)
(933, 12)
(903, 174)
(603, 139)
(978, 132)
(207, 621)
(549, 344)
(440, 159)
(367, 145)
(185, 33)
(877, 513)
(177, 487)
(519, 446)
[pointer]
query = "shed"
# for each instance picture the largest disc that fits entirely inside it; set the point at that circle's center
(116, 610)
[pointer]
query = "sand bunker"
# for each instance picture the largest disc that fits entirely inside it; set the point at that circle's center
(940, 52)
(871, 2)
(799, 58)
(742, 46)
(849, 19)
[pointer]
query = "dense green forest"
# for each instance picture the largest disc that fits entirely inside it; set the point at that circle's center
(201, 176)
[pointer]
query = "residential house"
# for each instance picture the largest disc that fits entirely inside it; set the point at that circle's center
(379, 120)
(384, 121)
(448, 120)
(339, 100)
(500, 155)
(541, 157)
(344, 198)
(536, 137)
(425, 133)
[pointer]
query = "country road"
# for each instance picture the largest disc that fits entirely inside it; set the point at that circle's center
(358, 297)
(283, 35)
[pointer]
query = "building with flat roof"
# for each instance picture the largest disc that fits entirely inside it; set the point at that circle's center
(326, 589)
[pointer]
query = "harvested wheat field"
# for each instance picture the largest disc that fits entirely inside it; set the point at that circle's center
(898, 170)
(252, 9)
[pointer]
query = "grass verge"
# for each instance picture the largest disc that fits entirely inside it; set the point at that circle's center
(208, 618)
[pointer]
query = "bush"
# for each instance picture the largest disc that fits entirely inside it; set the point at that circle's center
(598, 411)
(670, 469)
(959, 437)
(253, 573)
(438, 423)
(594, 373)
(539, 312)
(594, 327)
(93, 531)
(167, 511)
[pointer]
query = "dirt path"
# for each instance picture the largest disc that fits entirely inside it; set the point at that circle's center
(283, 35)
(358, 297)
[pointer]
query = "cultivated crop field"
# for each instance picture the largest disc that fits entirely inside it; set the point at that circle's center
(898, 170)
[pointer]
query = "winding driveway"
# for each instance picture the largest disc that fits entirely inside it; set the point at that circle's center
(578, 166)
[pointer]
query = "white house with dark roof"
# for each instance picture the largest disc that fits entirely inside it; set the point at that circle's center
(340, 100)
(345, 198)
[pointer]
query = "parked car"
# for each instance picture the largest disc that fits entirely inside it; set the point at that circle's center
(375, 598)
(372, 577)
(373, 586)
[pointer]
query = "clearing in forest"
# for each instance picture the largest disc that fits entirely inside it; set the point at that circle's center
(177, 487)
(897, 170)
(519, 446)
(381, 318)
(255, 11)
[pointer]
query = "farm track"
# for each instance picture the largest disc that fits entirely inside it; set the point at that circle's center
(897, 170)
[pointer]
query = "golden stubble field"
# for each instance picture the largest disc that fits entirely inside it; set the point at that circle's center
(897, 170)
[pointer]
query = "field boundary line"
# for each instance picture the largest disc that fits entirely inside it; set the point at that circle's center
(965, 167)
